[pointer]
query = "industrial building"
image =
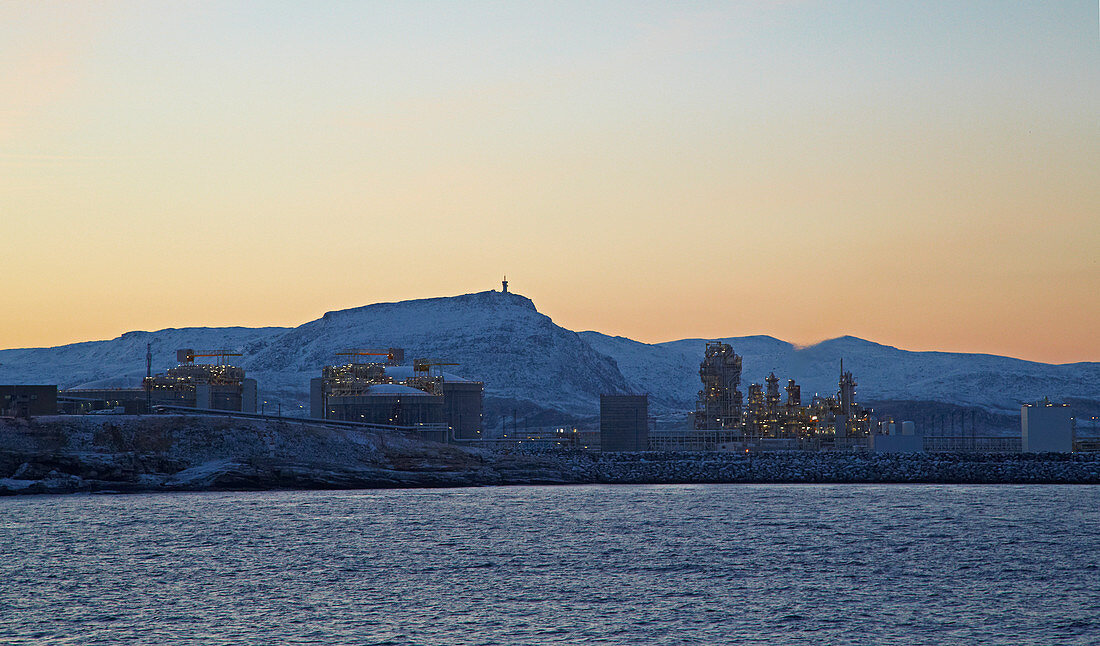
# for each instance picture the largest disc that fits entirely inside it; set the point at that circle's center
(1045, 426)
(463, 399)
(624, 422)
(719, 404)
(216, 386)
(903, 437)
(18, 400)
(463, 403)
(765, 419)
(388, 404)
(897, 437)
(373, 389)
(128, 401)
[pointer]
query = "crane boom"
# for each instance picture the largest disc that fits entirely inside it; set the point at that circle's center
(425, 365)
(388, 354)
(187, 355)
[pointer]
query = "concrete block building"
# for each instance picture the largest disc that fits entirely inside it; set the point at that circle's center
(624, 422)
(18, 400)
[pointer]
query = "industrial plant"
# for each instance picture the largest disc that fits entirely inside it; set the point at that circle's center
(214, 386)
(770, 419)
(362, 387)
(767, 415)
(190, 384)
(371, 387)
(724, 420)
(376, 388)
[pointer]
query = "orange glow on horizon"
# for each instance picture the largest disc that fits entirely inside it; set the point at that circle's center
(802, 170)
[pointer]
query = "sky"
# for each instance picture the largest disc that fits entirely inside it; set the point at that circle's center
(920, 174)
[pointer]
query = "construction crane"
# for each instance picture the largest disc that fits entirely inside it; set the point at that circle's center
(188, 355)
(422, 367)
(367, 353)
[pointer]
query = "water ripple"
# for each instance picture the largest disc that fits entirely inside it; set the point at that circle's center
(706, 564)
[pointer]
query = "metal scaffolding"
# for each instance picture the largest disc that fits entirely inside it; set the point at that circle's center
(719, 403)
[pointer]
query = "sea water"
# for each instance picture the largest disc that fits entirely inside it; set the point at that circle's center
(698, 564)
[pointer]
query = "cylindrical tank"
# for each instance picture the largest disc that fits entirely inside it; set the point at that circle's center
(390, 404)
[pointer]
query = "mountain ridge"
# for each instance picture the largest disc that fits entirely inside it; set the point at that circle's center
(531, 365)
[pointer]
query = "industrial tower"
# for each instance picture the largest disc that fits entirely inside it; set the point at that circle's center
(719, 402)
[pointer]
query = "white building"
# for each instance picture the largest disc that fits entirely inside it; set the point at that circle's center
(898, 437)
(1046, 427)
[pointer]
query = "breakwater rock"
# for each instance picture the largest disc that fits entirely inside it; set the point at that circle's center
(189, 453)
(849, 467)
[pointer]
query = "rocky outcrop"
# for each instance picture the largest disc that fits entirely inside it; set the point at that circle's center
(182, 453)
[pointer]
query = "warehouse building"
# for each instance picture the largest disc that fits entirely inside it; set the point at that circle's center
(128, 401)
(20, 400)
(624, 422)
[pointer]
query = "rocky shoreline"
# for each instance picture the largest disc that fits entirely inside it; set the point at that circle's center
(169, 453)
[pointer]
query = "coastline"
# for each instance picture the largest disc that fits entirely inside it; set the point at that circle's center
(119, 454)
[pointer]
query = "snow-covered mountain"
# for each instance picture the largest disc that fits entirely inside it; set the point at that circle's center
(120, 362)
(670, 371)
(526, 361)
(530, 364)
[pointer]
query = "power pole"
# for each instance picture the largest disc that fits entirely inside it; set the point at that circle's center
(148, 374)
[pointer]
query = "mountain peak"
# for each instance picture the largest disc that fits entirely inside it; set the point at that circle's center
(486, 300)
(847, 341)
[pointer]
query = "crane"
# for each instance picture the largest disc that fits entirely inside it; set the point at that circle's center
(422, 367)
(188, 355)
(367, 353)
